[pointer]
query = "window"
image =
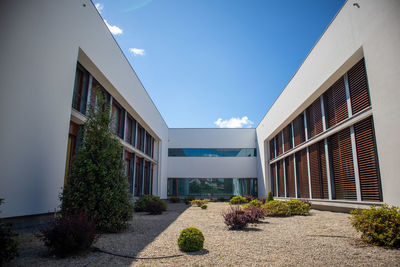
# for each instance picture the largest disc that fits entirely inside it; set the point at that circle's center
(130, 130)
(318, 174)
(298, 129)
(212, 152)
(118, 116)
(336, 103)
(358, 86)
(140, 138)
(314, 118)
(80, 89)
(212, 187)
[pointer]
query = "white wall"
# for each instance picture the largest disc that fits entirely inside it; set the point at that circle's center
(212, 167)
(372, 31)
(39, 50)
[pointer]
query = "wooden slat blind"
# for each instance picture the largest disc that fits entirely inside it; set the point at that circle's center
(319, 185)
(370, 181)
(273, 179)
(271, 149)
(298, 129)
(279, 143)
(302, 174)
(289, 165)
(314, 118)
(336, 104)
(358, 85)
(281, 184)
(342, 165)
(287, 135)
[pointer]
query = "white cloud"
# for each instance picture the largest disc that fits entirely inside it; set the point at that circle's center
(113, 29)
(137, 51)
(234, 122)
(99, 7)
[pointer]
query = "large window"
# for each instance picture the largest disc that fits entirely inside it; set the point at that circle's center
(212, 152)
(80, 89)
(118, 116)
(212, 187)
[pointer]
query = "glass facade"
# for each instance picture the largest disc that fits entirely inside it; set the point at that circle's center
(212, 187)
(212, 152)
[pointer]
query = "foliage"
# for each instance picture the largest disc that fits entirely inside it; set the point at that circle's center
(191, 239)
(199, 202)
(97, 185)
(141, 204)
(263, 199)
(378, 226)
(174, 199)
(276, 208)
(305, 201)
(255, 214)
(8, 245)
(204, 206)
(238, 200)
(188, 199)
(249, 198)
(270, 196)
(155, 207)
(298, 207)
(236, 218)
(69, 234)
(255, 203)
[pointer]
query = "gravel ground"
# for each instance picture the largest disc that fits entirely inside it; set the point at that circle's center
(324, 238)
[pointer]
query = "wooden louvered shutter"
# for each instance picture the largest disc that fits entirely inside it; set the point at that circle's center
(358, 85)
(314, 118)
(298, 129)
(279, 143)
(370, 181)
(319, 185)
(273, 179)
(342, 165)
(302, 174)
(281, 184)
(289, 168)
(336, 104)
(271, 149)
(287, 135)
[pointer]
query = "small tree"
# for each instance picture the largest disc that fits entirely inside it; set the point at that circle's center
(270, 196)
(97, 185)
(8, 244)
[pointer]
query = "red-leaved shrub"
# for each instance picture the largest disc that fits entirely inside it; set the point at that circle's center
(255, 214)
(236, 218)
(249, 198)
(69, 234)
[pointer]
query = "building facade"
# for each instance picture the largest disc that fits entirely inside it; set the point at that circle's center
(331, 136)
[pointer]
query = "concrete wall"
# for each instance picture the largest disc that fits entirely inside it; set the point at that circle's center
(41, 43)
(371, 31)
(212, 167)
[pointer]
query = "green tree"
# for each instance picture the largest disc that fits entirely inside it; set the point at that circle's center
(97, 184)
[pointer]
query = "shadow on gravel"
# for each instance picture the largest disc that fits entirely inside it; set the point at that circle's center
(198, 253)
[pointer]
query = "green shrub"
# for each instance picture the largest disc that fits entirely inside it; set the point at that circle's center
(188, 199)
(276, 208)
(238, 200)
(378, 226)
(97, 184)
(298, 207)
(255, 203)
(155, 207)
(8, 245)
(191, 239)
(142, 203)
(270, 196)
(174, 199)
(204, 206)
(199, 202)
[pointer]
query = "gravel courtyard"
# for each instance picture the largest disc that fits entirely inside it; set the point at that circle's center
(323, 238)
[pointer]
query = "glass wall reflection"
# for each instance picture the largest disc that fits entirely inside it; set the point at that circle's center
(212, 187)
(212, 152)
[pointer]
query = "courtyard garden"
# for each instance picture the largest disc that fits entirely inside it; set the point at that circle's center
(321, 238)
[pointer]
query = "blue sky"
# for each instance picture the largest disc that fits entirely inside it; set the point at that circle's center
(216, 63)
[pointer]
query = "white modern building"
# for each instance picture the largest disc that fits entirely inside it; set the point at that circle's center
(331, 136)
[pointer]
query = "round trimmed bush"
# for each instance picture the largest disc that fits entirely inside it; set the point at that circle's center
(191, 239)
(236, 200)
(204, 206)
(276, 208)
